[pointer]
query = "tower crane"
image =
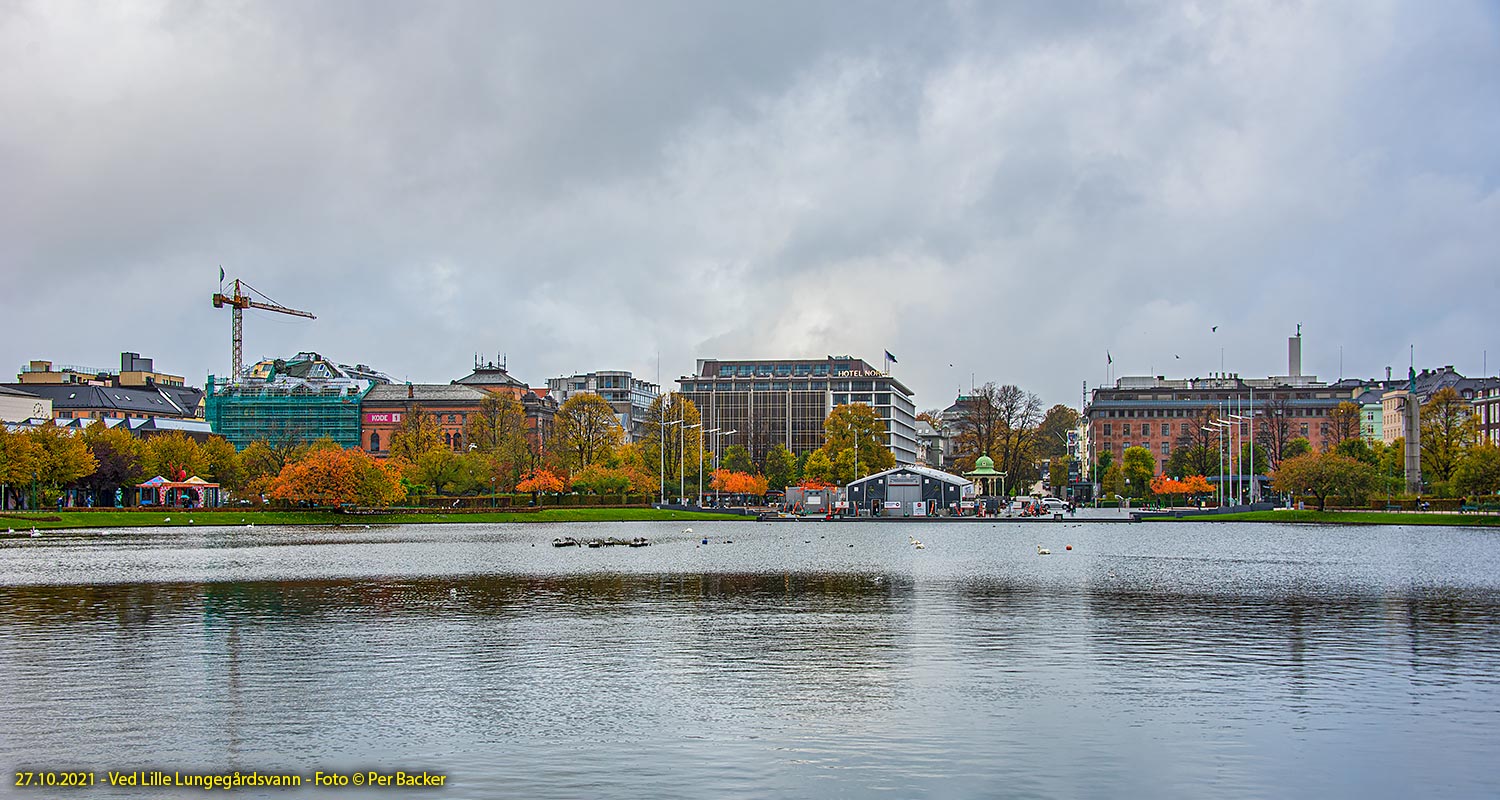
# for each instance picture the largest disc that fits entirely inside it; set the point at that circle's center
(238, 302)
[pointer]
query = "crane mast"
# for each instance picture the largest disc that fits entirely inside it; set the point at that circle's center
(237, 303)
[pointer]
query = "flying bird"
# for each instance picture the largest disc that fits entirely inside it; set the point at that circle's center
(1214, 329)
(1174, 355)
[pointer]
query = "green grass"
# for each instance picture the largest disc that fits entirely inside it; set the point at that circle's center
(1348, 518)
(200, 518)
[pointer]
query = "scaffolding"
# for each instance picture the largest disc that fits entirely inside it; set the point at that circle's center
(244, 413)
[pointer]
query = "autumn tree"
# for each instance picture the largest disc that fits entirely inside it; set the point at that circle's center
(331, 477)
(175, 456)
(21, 460)
(1449, 429)
(855, 429)
(1112, 483)
(1342, 425)
(818, 467)
(1004, 423)
(1299, 446)
(977, 426)
(1057, 473)
(733, 482)
(222, 463)
(497, 429)
(419, 433)
(1324, 475)
(601, 480)
(1052, 434)
(542, 480)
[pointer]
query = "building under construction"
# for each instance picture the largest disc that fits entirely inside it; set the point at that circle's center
(301, 399)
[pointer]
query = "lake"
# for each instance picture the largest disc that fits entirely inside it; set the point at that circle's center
(778, 660)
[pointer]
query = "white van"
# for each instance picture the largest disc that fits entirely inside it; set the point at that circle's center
(1054, 505)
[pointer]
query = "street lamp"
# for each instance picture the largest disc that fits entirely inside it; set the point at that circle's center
(1239, 456)
(716, 457)
(682, 456)
(700, 463)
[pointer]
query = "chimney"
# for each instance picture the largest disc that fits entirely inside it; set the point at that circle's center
(411, 391)
(1387, 374)
(1294, 354)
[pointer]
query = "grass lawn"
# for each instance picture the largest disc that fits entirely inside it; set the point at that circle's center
(1348, 518)
(179, 517)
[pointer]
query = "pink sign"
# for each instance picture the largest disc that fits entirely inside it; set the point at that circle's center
(383, 418)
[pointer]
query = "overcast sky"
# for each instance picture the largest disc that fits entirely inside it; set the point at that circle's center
(1003, 190)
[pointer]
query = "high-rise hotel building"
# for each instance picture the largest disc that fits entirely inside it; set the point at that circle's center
(785, 401)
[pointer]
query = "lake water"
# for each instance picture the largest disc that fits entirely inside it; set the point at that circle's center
(779, 660)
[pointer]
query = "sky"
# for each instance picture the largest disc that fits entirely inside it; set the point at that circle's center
(1008, 192)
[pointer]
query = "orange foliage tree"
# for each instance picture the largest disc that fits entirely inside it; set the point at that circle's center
(738, 482)
(1196, 484)
(1163, 486)
(541, 480)
(335, 477)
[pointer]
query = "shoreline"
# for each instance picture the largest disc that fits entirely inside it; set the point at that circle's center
(18, 524)
(1440, 518)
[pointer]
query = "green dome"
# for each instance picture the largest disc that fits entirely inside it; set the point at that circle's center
(984, 463)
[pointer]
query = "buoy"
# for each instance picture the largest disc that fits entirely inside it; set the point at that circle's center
(705, 540)
(1069, 547)
(1042, 551)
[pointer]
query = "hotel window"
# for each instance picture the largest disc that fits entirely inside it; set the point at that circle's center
(1106, 429)
(1304, 430)
(1145, 429)
(1166, 449)
(1125, 429)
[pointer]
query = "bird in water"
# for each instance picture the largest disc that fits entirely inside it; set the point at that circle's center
(687, 530)
(35, 532)
(1042, 551)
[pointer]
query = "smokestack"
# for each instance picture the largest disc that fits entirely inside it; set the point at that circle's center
(1294, 354)
(1388, 374)
(411, 391)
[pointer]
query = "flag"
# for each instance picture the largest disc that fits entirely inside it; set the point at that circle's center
(221, 274)
(1108, 359)
(890, 358)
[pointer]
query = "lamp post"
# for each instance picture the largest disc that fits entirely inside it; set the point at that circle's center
(1239, 457)
(682, 455)
(716, 457)
(700, 463)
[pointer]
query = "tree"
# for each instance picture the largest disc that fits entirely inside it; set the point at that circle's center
(542, 480)
(1140, 465)
(419, 433)
(854, 428)
(1197, 485)
(601, 480)
(222, 463)
(818, 467)
(497, 429)
(1052, 434)
(725, 480)
(1106, 458)
(1275, 429)
(1168, 487)
(1113, 482)
(336, 477)
(21, 459)
(1324, 475)
(1342, 424)
(1449, 429)
(1057, 473)
(585, 430)
(118, 456)
(737, 459)
(1478, 472)
(781, 467)
(1196, 450)
(977, 426)
(174, 456)
(1299, 446)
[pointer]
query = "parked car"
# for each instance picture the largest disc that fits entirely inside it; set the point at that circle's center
(1054, 505)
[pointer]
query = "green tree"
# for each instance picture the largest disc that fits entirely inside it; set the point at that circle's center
(1478, 472)
(857, 429)
(818, 467)
(1106, 459)
(1139, 468)
(418, 434)
(65, 458)
(21, 460)
(1324, 475)
(1449, 429)
(737, 459)
(781, 467)
(1299, 446)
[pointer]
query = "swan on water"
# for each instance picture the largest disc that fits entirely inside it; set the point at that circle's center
(687, 530)
(1042, 551)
